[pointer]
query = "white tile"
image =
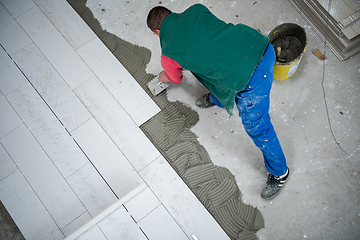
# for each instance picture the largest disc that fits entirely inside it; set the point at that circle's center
(119, 225)
(17, 7)
(9, 120)
(48, 131)
(12, 37)
(51, 86)
(91, 189)
(142, 204)
(67, 21)
(7, 165)
(76, 224)
(26, 209)
(180, 201)
(53, 45)
(107, 158)
(106, 212)
(160, 225)
(117, 123)
(118, 80)
(49, 185)
(11, 77)
(93, 233)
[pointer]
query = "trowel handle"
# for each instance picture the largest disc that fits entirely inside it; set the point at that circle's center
(278, 51)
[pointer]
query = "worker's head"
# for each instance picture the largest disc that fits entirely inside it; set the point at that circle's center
(156, 17)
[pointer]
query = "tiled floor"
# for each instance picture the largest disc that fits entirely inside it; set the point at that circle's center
(72, 153)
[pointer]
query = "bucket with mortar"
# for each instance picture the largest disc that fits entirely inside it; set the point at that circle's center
(289, 41)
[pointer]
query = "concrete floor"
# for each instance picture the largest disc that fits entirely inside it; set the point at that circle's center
(315, 114)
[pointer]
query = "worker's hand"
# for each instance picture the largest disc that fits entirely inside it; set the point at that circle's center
(162, 77)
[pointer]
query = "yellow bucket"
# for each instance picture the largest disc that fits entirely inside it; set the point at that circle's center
(292, 41)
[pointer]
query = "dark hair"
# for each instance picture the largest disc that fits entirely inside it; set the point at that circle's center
(156, 17)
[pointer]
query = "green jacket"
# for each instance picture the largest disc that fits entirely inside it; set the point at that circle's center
(221, 55)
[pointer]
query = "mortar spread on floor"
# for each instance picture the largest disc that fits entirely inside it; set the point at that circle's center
(169, 131)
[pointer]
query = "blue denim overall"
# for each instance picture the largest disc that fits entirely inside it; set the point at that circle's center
(253, 104)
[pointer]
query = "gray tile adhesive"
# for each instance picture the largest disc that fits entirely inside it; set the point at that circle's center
(169, 131)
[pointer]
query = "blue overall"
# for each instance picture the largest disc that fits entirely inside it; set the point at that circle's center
(253, 104)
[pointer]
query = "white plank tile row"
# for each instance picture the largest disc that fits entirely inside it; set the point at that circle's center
(160, 225)
(17, 7)
(49, 185)
(93, 233)
(12, 37)
(118, 80)
(142, 204)
(54, 46)
(67, 21)
(119, 225)
(7, 165)
(123, 131)
(91, 225)
(9, 120)
(51, 86)
(10, 76)
(76, 224)
(48, 131)
(91, 190)
(107, 158)
(180, 202)
(26, 209)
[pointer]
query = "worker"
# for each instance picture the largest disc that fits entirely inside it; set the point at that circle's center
(235, 62)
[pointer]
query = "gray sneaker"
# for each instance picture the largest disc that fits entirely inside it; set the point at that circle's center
(204, 101)
(273, 185)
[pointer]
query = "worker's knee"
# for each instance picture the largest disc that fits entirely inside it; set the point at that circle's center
(257, 127)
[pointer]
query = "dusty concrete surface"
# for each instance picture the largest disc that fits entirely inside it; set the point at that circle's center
(314, 113)
(8, 229)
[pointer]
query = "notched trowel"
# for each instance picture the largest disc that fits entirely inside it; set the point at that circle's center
(156, 86)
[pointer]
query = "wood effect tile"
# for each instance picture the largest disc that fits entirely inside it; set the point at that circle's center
(9, 120)
(26, 209)
(123, 131)
(93, 233)
(118, 81)
(53, 45)
(67, 21)
(10, 76)
(7, 165)
(51, 86)
(76, 224)
(49, 185)
(119, 225)
(12, 37)
(160, 225)
(91, 189)
(142, 204)
(48, 131)
(118, 204)
(107, 158)
(180, 201)
(17, 7)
